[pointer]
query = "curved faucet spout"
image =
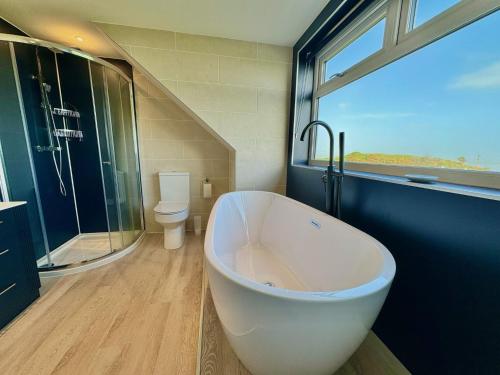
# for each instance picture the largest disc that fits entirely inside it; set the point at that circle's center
(328, 177)
(332, 179)
(330, 136)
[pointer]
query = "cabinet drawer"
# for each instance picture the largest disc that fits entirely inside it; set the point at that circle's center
(10, 262)
(5, 224)
(10, 266)
(11, 303)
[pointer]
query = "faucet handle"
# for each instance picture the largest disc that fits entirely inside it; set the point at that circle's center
(324, 178)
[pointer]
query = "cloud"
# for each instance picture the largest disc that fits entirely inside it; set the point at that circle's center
(485, 78)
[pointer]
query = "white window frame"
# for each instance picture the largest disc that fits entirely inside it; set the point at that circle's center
(400, 39)
(359, 27)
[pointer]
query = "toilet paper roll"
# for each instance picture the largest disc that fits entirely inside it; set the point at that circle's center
(207, 190)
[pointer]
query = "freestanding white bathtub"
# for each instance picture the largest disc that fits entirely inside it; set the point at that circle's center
(296, 290)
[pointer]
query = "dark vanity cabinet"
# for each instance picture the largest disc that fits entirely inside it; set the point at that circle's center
(19, 280)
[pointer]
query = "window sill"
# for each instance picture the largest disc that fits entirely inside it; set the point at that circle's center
(471, 191)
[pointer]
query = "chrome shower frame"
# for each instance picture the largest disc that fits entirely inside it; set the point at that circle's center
(55, 47)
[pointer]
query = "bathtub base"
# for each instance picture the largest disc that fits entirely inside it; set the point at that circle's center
(278, 337)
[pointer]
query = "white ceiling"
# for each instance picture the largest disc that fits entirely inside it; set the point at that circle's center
(269, 21)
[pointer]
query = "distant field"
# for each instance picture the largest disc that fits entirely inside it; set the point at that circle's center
(410, 160)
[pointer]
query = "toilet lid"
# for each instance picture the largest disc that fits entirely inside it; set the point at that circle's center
(168, 208)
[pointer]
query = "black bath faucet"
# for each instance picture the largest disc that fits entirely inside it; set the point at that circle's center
(332, 179)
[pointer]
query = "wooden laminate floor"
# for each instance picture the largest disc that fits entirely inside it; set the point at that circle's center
(138, 315)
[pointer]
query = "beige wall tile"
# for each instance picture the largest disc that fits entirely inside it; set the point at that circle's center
(212, 117)
(119, 34)
(153, 38)
(254, 73)
(274, 53)
(151, 191)
(272, 124)
(204, 150)
(157, 92)
(210, 97)
(273, 101)
(219, 186)
(197, 167)
(245, 174)
(151, 225)
(199, 96)
(271, 149)
(169, 129)
(241, 90)
(126, 48)
(246, 148)
(159, 108)
(199, 204)
(221, 168)
(162, 64)
(151, 167)
(141, 85)
(139, 37)
(239, 124)
(195, 67)
(161, 149)
(143, 127)
(217, 46)
(237, 99)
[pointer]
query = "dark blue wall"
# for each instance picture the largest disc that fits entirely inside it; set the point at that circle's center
(442, 315)
(85, 162)
(59, 211)
(14, 148)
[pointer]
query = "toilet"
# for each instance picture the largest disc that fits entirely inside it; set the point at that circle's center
(173, 209)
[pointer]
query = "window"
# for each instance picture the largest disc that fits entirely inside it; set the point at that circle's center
(365, 45)
(424, 10)
(428, 106)
(358, 42)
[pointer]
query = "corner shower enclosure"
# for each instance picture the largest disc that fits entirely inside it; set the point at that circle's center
(68, 147)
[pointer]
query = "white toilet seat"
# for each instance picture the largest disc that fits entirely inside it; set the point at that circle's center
(172, 213)
(170, 208)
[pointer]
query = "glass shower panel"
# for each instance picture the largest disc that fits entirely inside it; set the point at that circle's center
(133, 181)
(125, 155)
(68, 146)
(106, 152)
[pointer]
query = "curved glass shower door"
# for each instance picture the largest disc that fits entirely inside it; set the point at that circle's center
(105, 135)
(113, 95)
(68, 147)
(126, 158)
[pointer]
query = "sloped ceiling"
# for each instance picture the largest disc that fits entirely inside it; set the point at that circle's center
(279, 22)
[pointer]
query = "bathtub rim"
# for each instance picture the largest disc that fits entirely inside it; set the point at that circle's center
(382, 281)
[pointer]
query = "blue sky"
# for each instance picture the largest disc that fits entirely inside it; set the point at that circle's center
(443, 101)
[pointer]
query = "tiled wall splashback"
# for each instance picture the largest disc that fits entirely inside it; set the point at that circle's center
(170, 140)
(239, 89)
